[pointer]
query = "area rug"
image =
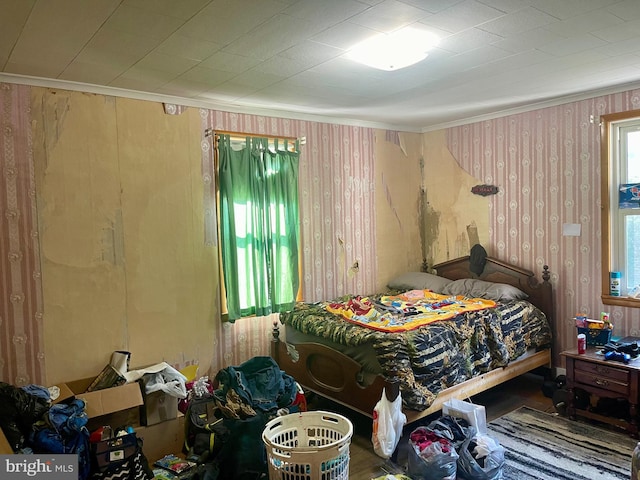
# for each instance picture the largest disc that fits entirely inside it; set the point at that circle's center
(550, 447)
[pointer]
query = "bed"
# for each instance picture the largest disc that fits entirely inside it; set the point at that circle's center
(336, 358)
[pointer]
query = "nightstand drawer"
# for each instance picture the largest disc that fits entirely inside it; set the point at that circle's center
(598, 378)
(619, 375)
(599, 381)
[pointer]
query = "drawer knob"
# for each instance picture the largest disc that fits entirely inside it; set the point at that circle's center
(603, 370)
(602, 383)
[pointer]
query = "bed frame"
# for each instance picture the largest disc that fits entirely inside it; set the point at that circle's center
(329, 373)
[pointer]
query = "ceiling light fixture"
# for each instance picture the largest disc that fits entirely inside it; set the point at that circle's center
(395, 50)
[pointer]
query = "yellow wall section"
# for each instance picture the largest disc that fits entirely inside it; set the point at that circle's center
(120, 206)
(397, 177)
(455, 218)
(418, 215)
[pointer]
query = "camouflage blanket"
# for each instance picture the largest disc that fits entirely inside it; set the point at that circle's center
(439, 355)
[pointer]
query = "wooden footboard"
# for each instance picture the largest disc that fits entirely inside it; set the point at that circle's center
(327, 372)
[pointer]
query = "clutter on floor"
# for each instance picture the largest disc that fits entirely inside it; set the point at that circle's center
(455, 445)
(128, 429)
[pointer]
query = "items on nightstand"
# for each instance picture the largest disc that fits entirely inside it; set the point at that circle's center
(617, 357)
(629, 347)
(582, 343)
(597, 332)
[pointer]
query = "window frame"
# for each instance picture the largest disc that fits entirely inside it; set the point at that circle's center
(606, 147)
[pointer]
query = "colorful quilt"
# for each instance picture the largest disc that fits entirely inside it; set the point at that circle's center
(405, 311)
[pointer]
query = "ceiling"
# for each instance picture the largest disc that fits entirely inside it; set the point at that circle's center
(285, 57)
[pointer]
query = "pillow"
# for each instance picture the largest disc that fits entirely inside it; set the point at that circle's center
(474, 288)
(418, 281)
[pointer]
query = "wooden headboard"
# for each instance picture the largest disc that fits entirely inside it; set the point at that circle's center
(540, 292)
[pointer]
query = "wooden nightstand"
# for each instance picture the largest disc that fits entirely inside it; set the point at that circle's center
(604, 379)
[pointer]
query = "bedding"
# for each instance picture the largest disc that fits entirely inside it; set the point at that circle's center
(430, 358)
(404, 311)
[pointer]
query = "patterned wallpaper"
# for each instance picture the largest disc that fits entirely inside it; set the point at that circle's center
(546, 164)
(21, 342)
(337, 198)
(336, 189)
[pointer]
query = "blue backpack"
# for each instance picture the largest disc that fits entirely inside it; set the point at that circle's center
(65, 431)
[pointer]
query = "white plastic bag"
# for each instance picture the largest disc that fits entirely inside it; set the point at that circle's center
(161, 376)
(388, 421)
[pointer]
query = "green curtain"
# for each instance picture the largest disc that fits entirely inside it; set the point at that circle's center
(259, 225)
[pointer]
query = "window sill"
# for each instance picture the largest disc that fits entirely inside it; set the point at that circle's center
(621, 301)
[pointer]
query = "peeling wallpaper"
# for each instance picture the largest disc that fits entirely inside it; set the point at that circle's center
(455, 217)
(125, 221)
(546, 164)
(363, 194)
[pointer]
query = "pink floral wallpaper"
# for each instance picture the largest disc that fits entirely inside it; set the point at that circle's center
(337, 198)
(546, 164)
(337, 226)
(21, 342)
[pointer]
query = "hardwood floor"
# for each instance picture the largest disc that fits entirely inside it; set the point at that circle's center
(365, 464)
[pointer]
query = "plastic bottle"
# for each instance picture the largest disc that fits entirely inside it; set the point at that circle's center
(635, 463)
(614, 288)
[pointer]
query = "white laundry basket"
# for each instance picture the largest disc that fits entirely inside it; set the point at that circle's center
(308, 446)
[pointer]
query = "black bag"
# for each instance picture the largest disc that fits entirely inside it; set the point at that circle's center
(234, 445)
(489, 468)
(244, 455)
(205, 430)
(120, 458)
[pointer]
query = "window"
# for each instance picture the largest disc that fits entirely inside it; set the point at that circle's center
(259, 225)
(620, 168)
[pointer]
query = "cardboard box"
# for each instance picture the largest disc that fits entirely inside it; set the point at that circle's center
(162, 438)
(102, 402)
(157, 406)
(123, 418)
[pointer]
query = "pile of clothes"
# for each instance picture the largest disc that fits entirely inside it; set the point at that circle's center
(32, 424)
(450, 448)
(225, 418)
